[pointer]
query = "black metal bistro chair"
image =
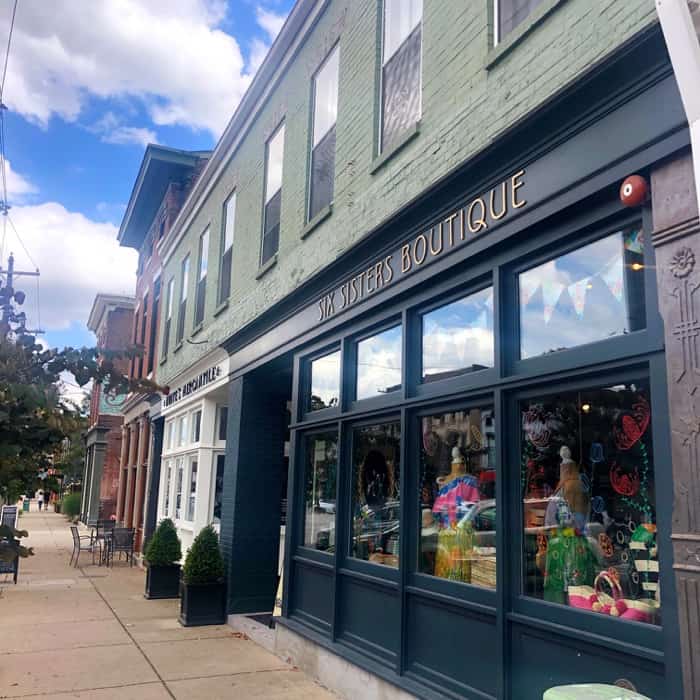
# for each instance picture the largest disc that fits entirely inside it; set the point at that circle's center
(121, 540)
(83, 543)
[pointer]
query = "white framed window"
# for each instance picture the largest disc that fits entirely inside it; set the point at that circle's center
(228, 229)
(184, 284)
(170, 435)
(196, 425)
(221, 423)
(182, 431)
(201, 293)
(166, 489)
(167, 321)
(179, 477)
(274, 157)
(508, 14)
(192, 491)
(325, 113)
(401, 69)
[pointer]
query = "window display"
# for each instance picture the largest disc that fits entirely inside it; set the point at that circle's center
(320, 490)
(590, 294)
(179, 468)
(166, 494)
(588, 501)
(325, 382)
(458, 337)
(379, 363)
(375, 494)
(457, 497)
(218, 488)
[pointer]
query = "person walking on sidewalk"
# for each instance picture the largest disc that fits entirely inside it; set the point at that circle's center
(40, 498)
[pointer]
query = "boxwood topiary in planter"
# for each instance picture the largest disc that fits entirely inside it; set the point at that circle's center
(162, 556)
(203, 588)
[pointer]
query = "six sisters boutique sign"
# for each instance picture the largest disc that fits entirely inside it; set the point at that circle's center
(477, 216)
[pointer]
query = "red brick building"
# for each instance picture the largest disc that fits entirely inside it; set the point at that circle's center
(111, 319)
(164, 180)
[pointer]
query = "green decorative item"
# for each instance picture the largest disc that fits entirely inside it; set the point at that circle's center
(204, 563)
(570, 562)
(164, 547)
(70, 506)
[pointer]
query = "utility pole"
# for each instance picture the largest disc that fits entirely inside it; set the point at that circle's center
(11, 320)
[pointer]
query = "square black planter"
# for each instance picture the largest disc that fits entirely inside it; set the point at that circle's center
(202, 604)
(162, 582)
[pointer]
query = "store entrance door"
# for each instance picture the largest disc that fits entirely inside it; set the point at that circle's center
(254, 489)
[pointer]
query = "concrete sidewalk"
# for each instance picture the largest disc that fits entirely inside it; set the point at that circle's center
(90, 633)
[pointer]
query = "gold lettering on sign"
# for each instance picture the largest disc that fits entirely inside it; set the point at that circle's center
(477, 224)
(476, 215)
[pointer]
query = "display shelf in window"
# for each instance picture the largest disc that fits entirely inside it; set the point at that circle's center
(589, 505)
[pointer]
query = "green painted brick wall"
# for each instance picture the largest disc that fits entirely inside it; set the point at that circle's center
(465, 105)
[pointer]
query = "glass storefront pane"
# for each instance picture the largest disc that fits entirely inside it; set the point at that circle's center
(379, 364)
(319, 490)
(589, 506)
(179, 466)
(218, 488)
(458, 337)
(375, 493)
(166, 495)
(458, 496)
(325, 382)
(193, 490)
(590, 294)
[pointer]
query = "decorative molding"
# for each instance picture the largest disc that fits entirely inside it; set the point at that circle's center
(676, 232)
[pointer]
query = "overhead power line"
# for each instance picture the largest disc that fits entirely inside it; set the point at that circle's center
(7, 52)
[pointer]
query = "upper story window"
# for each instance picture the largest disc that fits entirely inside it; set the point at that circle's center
(273, 195)
(167, 321)
(401, 68)
(509, 14)
(184, 283)
(227, 248)
(151, 355)
(161, 228)
(201, 294)
(142, 339)
(323, 143)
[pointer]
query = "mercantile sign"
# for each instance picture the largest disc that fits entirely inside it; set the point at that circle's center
(474, 218)
(200, 381)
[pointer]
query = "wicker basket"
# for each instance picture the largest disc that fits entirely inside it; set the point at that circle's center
(483, 561)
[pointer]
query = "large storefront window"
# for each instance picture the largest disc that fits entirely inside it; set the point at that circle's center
(590, 294)
(379, 363)
(325, 382)
(458, 337)
(192, 490)
(319, 492)
(375, 494)
(179, 476)
(218, 488)
(589, 506)
(457, 496)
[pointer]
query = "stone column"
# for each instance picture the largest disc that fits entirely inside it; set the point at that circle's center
(131, 478)
(123, 464)
(141, 469)
(676, 238)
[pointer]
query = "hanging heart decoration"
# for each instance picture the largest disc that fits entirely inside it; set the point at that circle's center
(623, 482)
(632, 427)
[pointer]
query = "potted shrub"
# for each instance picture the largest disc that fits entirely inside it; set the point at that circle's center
(57, 506)
(162, 556)
(203, 589)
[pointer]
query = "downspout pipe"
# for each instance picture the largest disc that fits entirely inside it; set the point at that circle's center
(680, 23)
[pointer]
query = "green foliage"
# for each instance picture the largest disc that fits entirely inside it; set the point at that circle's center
(204, 563)
(70, 505)
(164, 547)
(35, 420)
(9, 547)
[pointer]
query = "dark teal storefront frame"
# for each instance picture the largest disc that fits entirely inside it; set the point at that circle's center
(437, 638)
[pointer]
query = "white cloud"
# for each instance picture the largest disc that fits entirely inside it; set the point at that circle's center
(258, 51)
(168, 54)
(18, 187)
(77, 258)
(111, 130)
(269, 21)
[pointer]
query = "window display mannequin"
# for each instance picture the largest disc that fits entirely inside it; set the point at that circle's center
(570, 504)
(457, 495)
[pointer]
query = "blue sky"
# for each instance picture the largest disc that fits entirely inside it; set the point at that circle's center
(88, 85)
